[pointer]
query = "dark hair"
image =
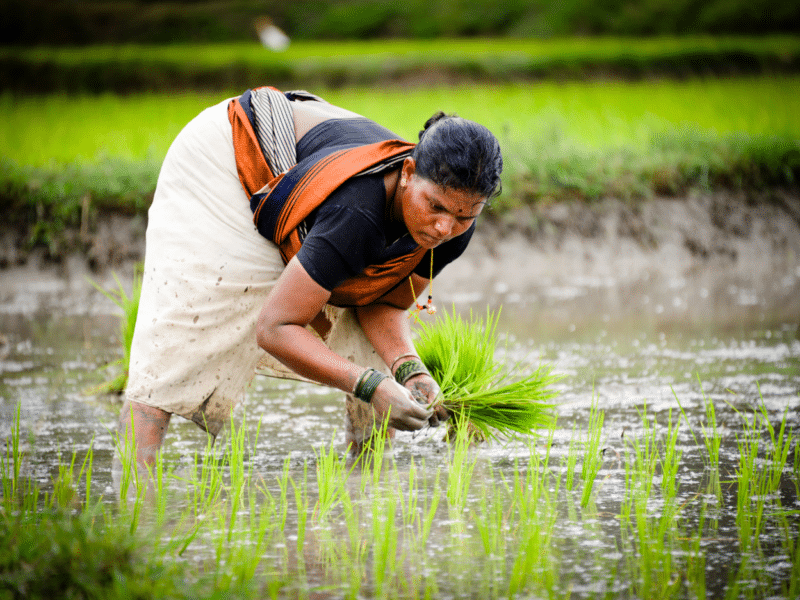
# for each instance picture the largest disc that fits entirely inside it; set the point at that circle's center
(457, 153)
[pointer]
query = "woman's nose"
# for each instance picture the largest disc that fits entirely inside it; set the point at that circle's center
(444, 225)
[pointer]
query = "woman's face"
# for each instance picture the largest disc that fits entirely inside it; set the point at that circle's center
(433, 214)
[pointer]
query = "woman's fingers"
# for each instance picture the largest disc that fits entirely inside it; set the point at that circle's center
(442, 413)
(425, 389)
(405, 413)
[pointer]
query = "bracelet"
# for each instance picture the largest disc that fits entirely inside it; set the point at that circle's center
(367, 384)
(409, 369)
(406, 355)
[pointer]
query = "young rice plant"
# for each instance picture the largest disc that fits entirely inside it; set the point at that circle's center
(476, 388)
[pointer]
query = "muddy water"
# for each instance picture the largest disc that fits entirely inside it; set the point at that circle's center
(652, 346)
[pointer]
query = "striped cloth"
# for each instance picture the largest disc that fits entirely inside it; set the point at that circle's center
(274, 125)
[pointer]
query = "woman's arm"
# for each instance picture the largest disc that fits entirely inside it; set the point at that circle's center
(293, 303)
(386, 325)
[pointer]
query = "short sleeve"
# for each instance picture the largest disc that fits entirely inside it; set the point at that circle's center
(340, 244)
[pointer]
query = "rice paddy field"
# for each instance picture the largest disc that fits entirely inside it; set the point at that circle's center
(672, 471)
(593, 116)
(584, 140)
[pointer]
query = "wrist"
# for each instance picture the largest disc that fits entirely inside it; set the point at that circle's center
(407, 355)
(367, 383)
(408, 369)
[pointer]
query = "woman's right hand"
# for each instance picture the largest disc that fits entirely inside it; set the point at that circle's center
(405, 413)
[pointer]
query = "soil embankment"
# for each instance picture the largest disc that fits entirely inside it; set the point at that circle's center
(720, 248)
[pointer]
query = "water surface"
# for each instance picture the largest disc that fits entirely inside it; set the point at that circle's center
(642, 355)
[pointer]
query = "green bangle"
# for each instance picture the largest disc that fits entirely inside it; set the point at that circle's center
(409, 369)
(367, 384)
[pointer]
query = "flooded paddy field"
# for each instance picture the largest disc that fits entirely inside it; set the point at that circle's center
(673, 469)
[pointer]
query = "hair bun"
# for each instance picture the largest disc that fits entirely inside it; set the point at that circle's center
(437, 116)
(456, 153)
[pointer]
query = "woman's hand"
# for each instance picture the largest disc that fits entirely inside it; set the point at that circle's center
(405, 412)
(387, 328)
(425, 390)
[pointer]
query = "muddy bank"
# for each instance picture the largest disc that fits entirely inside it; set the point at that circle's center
(704, 256)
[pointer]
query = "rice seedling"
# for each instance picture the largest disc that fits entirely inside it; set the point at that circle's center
(644, 454)
(355, 549)
(696, 559)
(490, 520)
(592, 457)
(409, 502)
(204, 482)
(283, 504)
(572, 460)
(791, 544)
(795, 478)
(372, 454)
(758, 478)
(712, 441)
(476, 390)
(11, 464)
(384, 541)
(331, 472)
(245, 550)
(778, 450)
(651, 537)
(21, 495)
(133, 479)
(535, 562)
(302, 504)
(711, 434)
(748, 518)
(129, 305)
(429, 508)
(670, 461)
(642, 532)
(459, 472)
(65, 491)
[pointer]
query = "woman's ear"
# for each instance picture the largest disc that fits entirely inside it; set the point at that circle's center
(409, 168)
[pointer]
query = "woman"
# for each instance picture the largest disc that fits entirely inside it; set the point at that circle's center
(290, 236)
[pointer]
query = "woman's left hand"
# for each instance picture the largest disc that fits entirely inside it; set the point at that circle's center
(425, 390)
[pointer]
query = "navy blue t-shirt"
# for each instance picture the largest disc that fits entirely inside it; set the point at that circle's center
(351, 229)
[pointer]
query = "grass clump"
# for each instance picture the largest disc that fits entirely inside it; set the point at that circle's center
(476, 388)
(129, 305)
(48, 205)
(55, 554)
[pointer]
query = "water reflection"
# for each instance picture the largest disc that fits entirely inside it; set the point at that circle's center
(638, 365)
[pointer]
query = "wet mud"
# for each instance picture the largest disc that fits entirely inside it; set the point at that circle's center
(705, 257)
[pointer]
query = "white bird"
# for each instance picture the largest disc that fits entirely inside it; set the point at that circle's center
(271, 35)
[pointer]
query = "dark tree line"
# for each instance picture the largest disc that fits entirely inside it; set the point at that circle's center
(57, 22)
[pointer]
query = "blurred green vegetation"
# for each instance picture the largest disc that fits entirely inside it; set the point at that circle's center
(48, 22)
(69, 159)
(133, 68)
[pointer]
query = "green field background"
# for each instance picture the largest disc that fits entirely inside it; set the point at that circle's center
(602, 116)
(607, 121)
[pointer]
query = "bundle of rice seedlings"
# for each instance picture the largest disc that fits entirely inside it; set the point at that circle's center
(479, 391)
